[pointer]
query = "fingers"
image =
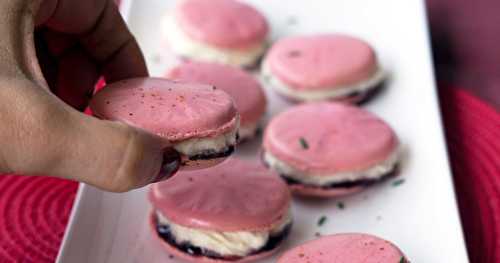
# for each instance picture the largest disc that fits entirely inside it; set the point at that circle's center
(76, 79)
(112, 45)
(46, 137)
(102, 33)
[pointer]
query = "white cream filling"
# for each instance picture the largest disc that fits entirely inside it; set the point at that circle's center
(375, 172)
(196, 146)
(183, 45)
(332, 92)
(237, 243)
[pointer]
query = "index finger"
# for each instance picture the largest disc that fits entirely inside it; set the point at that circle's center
(101, 31)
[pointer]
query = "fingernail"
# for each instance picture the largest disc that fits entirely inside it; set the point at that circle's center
(170, 165)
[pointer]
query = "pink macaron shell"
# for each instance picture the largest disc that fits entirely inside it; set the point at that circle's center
(308, 191)
(339, 137)
(222, 23)
(189, 258)
(345, 248)
(233, 196)
(321, 61)
(173, 110)
(245, 90)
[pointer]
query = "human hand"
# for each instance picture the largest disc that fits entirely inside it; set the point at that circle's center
(76, 42)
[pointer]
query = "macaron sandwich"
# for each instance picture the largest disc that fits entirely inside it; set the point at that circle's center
(233, 212)
(223, 31)
(200, 121)
(323, 67)
(327, 149)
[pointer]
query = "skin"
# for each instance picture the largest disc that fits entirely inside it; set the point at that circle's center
(44, 87)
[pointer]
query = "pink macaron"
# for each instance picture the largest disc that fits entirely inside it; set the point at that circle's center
(223, 31)
(323, 67)
(236, 211)
(200, 121)
(245, 90)
(345, 248)
(329, 149)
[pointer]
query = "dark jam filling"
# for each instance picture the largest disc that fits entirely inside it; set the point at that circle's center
(186, 247)
(346, 184)
(361, 97)
(211, 154)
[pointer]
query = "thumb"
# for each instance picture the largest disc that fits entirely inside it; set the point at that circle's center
(116, 157)
(44, 136)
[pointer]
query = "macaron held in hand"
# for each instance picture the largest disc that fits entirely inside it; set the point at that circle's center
(200, 121)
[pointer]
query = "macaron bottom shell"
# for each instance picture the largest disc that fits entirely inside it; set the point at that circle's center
(334, 189)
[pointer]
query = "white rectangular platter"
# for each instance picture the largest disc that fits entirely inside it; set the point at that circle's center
(419, 215)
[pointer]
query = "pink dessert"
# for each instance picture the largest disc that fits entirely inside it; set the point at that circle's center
(319, 67)
(345, 248)
(245, 90)
(223, 23)
(236, 211)
(330, 149)
(226, 31)
(200, 121)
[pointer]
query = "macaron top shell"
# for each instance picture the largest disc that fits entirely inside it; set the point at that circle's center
(327, 137)
(245, 90)
(173, 110)
(222, 23)
(233, 196)
(345, 248)
(321, 61)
